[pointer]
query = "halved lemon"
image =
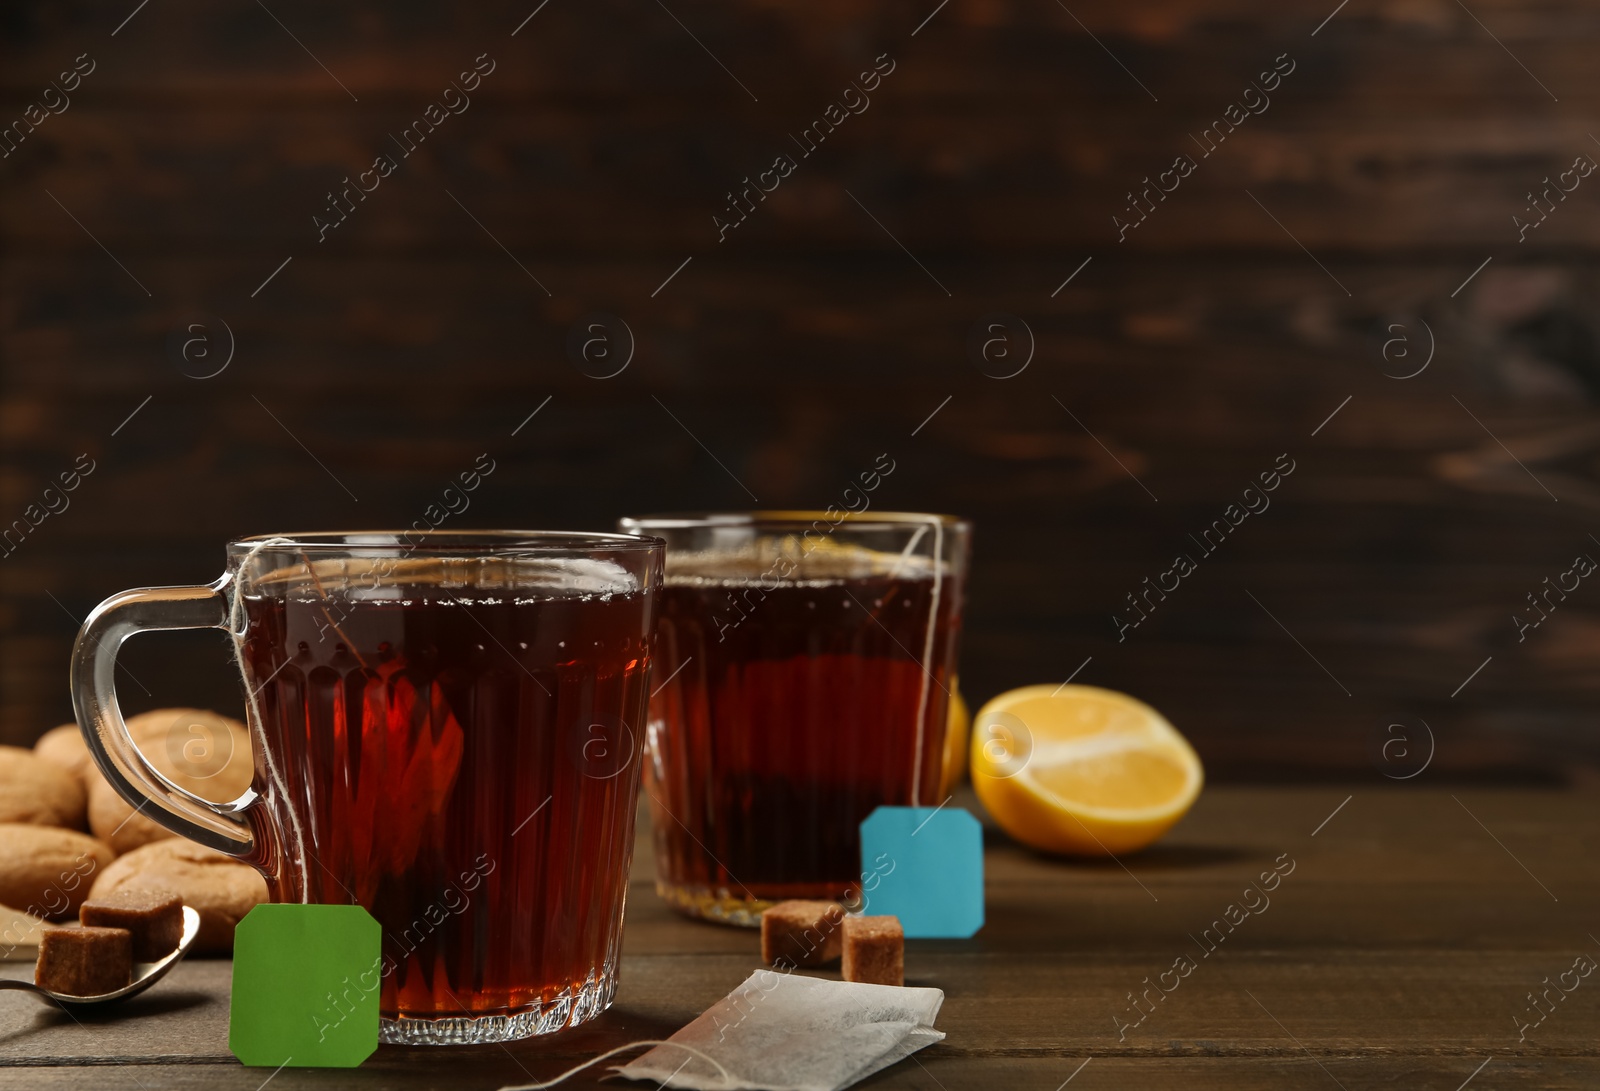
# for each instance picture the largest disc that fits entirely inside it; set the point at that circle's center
(1081, 770)
(957, 724)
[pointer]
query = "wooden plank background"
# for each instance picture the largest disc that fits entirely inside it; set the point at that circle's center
(779, 362)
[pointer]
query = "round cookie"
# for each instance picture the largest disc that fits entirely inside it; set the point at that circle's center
(46, 871)
(196, 749)
(116, 823)
(37, 791)
(64, 746)
(213, 884)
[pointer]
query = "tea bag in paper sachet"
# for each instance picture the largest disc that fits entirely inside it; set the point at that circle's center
(783, 1032)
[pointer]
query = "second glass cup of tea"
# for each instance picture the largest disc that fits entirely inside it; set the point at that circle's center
(807, 661)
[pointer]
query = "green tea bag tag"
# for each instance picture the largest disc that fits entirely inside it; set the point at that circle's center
(305, 986)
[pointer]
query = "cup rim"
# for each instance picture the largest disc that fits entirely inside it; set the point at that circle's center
(777, 517)
(434, 541)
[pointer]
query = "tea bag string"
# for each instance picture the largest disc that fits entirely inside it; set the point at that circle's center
(936, 525)
(237, 626)
(236, 618)
(571, 1072)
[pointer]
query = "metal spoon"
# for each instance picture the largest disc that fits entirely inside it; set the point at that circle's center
(145, 974)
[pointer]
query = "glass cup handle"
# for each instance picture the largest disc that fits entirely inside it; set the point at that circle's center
(94, 701)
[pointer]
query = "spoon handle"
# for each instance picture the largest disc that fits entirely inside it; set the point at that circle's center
(26, 987)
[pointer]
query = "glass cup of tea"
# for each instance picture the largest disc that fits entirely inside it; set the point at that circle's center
(445, 729)
(806, 663)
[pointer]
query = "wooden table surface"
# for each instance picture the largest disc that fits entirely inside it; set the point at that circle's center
(1398, 952)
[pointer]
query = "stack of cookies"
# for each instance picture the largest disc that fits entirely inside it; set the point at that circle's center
(66, 836)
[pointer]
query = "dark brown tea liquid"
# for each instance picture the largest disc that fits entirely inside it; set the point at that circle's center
(796, 709)
(463, 763)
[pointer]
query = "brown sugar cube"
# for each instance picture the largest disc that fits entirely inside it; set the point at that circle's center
(874, 950)
(84, 961)
(155, 920)
(803, 933)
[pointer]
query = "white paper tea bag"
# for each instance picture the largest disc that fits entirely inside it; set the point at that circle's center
(781, 1032)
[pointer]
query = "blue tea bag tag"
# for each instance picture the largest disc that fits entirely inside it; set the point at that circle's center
(925, 866)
